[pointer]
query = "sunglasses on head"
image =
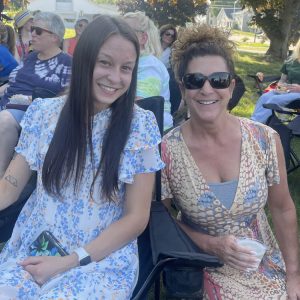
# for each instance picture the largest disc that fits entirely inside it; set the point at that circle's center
(217, 80)
(39, 30)
(169, 34)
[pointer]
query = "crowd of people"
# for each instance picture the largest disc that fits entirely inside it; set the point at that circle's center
(96, 152)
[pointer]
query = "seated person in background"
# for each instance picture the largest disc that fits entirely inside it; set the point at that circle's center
(153, 77)
(95, 153)
(47, 67)
(221, 170)
(11, 42)
(70, 44)
(22, 24)
(287, 91)
(7, 61)
(168, 35)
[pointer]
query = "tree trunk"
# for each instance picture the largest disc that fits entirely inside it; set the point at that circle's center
(280, 29)
(278, 48)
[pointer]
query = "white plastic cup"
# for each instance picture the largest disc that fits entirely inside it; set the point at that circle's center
(256, 246)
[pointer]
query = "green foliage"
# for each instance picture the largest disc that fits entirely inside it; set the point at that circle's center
(177, 12)
(272, 17)
(16, 4)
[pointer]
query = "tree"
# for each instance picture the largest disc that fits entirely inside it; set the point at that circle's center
(15, 4)
(280, 21)
(177, 12)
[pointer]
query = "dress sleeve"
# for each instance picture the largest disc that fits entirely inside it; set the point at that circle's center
(31, 128)
(141, 154)
(272, 170)
(166, 192)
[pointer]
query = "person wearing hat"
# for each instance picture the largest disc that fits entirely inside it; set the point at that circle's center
(70, 44)
(47, 67)
(7, 61)
(22, 23)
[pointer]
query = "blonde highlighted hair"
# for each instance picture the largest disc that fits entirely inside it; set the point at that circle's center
(145, 24)
(296, 53)
(200, 40)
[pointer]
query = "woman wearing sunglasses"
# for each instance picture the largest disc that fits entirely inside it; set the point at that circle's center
(220, 172)
(168, 35)
(47, 67)
(70, 44)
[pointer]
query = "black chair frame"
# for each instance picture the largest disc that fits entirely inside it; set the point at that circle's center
(262, 84)
(286, 121)
(164, 244)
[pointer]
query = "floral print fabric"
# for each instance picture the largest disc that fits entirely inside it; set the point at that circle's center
(75, 219)
(183, 182)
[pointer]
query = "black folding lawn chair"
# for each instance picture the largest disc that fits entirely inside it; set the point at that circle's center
(262, 84)
(286, 121)
(165, 249)
(237, 94)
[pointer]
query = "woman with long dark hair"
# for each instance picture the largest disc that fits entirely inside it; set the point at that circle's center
(95, 153)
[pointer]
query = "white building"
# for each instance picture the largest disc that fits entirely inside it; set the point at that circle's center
(230, 18)
(71, 10)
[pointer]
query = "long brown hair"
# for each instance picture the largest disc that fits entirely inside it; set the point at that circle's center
(66, 156)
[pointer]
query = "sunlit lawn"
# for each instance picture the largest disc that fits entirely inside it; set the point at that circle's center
(251, 63)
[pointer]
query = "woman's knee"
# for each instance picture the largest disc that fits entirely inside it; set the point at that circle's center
(8, 123)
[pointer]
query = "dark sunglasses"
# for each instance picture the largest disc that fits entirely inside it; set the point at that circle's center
(217, 80)
(169, 34)
(39, 30)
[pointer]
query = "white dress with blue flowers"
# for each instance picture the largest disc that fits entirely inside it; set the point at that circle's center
(76, 219)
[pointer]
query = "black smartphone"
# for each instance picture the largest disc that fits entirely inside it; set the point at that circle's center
(46, 244)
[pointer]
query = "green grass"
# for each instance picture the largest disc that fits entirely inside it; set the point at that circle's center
(251, 63)
(244, 33)
(251, 46)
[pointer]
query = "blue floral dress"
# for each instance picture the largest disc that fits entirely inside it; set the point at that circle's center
(76, 219)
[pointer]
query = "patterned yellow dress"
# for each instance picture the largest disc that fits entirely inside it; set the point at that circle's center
(183, 182)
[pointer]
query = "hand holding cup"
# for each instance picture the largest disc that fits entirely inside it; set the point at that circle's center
(240, 257)
(256, 247)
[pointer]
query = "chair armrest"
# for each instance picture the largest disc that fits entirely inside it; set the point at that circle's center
(259, 84)
(168, 240)
(17, 106)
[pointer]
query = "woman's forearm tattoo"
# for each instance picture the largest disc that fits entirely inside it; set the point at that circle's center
(12, 180)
